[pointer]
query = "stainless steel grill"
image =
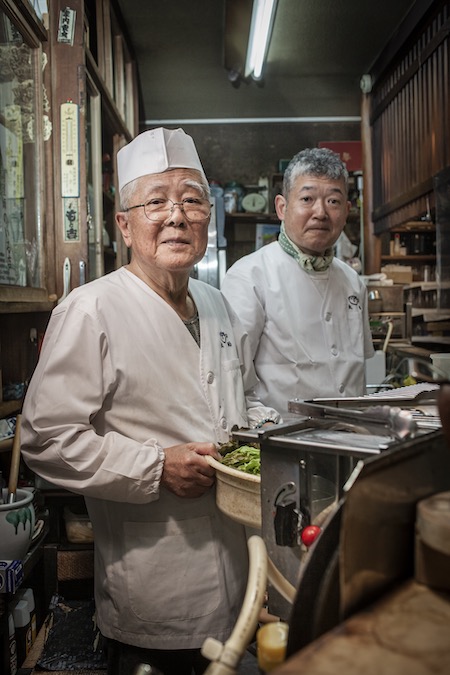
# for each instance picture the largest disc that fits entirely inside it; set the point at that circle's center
(327, 464)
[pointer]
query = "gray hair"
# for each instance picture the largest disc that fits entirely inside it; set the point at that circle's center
(126, 195)
(314, 162)
(127, 192)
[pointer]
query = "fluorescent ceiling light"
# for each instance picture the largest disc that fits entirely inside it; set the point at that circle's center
(263, 16)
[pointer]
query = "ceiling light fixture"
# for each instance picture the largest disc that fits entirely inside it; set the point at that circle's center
(263, 17)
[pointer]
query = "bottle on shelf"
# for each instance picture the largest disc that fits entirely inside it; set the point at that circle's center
(27, 594)
(397, 244)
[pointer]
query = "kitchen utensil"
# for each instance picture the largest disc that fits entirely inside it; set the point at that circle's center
(399, 422)
(66, 280)
(15, 463)
(82, 269)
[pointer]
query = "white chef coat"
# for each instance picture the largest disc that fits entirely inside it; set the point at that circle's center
(309, 331)
(120, 378)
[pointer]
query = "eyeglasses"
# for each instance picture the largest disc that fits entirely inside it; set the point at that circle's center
(158, 210)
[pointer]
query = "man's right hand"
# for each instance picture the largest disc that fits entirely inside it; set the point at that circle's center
(186, 472)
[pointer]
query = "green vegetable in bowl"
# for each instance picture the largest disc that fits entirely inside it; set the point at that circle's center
(225, 448)
(245, 458)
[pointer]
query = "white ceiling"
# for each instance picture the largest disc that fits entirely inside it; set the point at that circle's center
(319, 51)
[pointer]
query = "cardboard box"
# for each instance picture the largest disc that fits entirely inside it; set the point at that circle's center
(400, 274)
(11, 575)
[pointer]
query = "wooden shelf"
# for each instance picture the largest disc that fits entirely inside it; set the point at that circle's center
(25, 307)
(410, 258)
(427, 285)
(8, 408)
(15, 299)
(239, 217)
(415, 226)
(6, 444)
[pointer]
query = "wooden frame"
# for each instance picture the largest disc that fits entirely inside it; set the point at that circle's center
(96, 266)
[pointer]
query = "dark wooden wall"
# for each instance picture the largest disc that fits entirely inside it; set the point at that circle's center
(245, 151)
(410, 123)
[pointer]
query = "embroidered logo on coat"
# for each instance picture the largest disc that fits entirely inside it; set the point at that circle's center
(353, 302)
(224, 341)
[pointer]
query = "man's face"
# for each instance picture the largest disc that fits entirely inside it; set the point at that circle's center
(315, 212)
(173, 244)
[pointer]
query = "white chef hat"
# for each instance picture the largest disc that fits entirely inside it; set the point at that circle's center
(155, 151)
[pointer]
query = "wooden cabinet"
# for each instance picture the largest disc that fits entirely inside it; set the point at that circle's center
(38, 575)
(412, 247)
(241, 232)
(25, 258)
(412, 244)
(95, 77)
(68, 102)
(406, 150)
(22, 108)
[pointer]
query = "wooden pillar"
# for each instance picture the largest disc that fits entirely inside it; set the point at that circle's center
(68, 85)
(372, 243)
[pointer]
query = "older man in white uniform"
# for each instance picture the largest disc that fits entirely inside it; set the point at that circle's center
(305, 311)
(141, 375)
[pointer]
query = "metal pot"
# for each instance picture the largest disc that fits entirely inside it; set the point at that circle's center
(375, 302)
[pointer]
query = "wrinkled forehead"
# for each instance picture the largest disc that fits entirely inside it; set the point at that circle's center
(173, 180)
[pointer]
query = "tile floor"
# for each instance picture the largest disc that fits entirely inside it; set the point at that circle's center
(248, 664)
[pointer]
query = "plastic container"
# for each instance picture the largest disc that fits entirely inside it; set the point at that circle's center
(442, 361)
(27, 594)
(22, 624)
(78, 527)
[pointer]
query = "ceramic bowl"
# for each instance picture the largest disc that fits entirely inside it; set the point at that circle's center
(238, 494)
(17, 521)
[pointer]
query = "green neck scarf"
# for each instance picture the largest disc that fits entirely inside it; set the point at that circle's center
(310, 263)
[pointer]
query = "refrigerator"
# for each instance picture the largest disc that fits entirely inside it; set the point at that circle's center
(213, 265)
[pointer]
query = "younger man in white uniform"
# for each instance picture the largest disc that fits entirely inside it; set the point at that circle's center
(305, 311)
